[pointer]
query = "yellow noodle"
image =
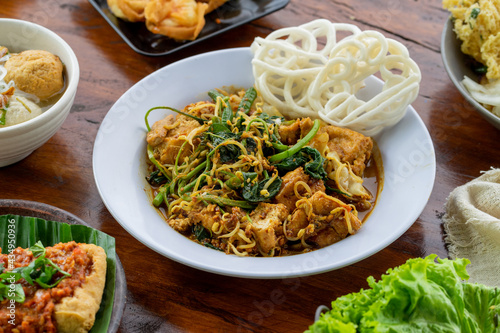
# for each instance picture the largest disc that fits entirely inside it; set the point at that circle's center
(197, 184)
(173, 205)
(247, 118)
(216, 111)
(348, 222)
(232, 233)
(174, 125)
(306, 187)
(299, 234)
(303, 242)
(264, 193)
(226, 216)
(200, 106)
(236, 143)
(353, 208)
(307, 205)
(237, 165)
(247, 246)
(285, 223)
(238, 253)
(215, 228)
(336, 210)
(241, 234)
(270, 181)
(194, 133)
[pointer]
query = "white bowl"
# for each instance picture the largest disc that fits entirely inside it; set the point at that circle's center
(18, 141)
(455, 63)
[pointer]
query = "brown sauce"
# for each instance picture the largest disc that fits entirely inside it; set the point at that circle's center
(373, 179)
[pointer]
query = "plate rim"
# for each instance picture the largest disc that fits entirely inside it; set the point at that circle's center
(37, 209)
(259, 275)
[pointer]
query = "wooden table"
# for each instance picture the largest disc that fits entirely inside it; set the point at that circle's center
(165, 296)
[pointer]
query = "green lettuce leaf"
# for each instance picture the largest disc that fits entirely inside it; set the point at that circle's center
(423, 295)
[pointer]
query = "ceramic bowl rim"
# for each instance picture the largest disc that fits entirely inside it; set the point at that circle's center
(68, 95)
(453, 75)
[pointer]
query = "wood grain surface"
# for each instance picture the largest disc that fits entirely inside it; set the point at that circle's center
(165, 296)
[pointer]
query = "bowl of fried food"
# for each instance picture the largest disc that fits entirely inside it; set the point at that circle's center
(470, 55)
(39, 75)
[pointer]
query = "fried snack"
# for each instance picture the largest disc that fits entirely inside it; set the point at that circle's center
(301, 79)
(128, 10)
(69, 306)
(36, 72)
(77, 314)
(177, 19)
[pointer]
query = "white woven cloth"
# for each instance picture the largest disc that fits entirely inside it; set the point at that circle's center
(472, 226)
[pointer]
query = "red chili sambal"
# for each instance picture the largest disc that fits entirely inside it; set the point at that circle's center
(36, 314)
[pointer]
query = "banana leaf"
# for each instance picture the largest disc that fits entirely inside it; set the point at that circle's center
(29, 230)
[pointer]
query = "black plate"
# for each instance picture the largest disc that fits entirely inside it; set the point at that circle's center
(50, 213)
(230, 15)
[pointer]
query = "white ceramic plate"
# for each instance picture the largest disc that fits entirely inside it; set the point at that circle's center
(119, 163)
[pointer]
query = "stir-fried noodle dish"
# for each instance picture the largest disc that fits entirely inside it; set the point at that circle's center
(236, 176)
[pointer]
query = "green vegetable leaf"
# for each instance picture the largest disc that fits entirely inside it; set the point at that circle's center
(315, 167)
(38, 249)
(157, 178)
(228, 152)
(277, 120)
(250, 145)
(203, 236)
(201, 233)
(252, 191)
(12, 291)
(26, 272)
(47, 271)
(234, 182)
(2, 117)
(309, 158)
(421, 295)
(17, 294)
(475, 13)
(247, 100)
(218, 126)
(291, 163)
